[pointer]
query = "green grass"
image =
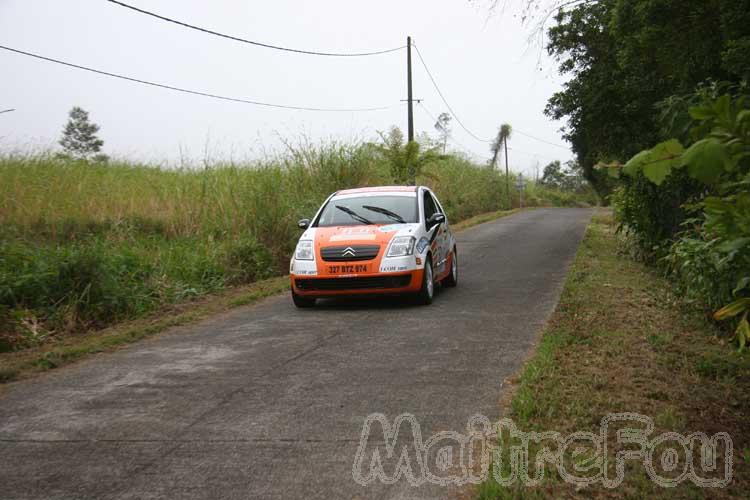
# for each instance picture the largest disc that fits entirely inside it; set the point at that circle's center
(64, 350)
(620, 340)
(45, 356)
(84, 246)
(87, 246)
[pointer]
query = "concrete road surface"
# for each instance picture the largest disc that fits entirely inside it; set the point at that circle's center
(268, 401)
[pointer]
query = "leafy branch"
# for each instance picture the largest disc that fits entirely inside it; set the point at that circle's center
(719, 158)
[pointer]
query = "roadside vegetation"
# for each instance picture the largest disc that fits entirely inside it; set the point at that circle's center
(686, 205)
(85, 244)
(658, 113)
(621, 340)
(654, 316)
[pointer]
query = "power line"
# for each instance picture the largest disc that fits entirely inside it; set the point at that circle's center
(259, 44)
(452, 139)
(540, 140)
(467, 150)
(424, 108)
(7, 110)
(194, 92)
(434, 83)
(530, 153)
(514, 149)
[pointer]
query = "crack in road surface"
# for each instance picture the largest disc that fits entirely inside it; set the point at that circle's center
(269, 401)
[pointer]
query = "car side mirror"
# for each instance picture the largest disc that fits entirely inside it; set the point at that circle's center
(435, 219)
(303, 223)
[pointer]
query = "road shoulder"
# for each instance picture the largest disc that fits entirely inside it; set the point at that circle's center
(620, 341)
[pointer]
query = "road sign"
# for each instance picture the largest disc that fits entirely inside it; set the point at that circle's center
(520, 185)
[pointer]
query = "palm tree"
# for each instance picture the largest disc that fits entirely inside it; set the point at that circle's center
(501, 142)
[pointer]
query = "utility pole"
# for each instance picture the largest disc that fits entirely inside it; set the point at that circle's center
(507, 175)
(408, 90)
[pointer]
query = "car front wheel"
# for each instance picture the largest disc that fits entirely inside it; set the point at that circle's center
(427, 291)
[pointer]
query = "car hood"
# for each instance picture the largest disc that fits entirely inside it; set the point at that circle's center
(358, 235)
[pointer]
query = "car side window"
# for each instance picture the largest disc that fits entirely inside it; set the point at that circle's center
(429, 206)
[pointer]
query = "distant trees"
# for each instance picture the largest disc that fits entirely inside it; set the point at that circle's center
(442, 125)
(79, 140)
(553, 175)
(624, 58)
(568, 177)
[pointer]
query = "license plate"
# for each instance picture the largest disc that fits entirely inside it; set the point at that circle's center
(349, 269)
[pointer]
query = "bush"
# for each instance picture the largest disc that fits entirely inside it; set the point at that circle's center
(653, 214)
(75, 285)
(465, 189)
(710, 259)
(539, 195)
(247, 260)
(701, 270)
(84, 245)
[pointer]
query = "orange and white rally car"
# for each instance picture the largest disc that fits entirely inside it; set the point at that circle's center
(377, 240)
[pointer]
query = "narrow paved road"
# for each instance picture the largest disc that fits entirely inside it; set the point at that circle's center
(268, 401)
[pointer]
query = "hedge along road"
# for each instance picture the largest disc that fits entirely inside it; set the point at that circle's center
(268, 401)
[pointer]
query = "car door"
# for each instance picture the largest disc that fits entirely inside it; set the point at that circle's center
(439, 236)
(444, 240)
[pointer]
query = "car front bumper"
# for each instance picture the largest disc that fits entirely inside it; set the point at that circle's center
(362, 284)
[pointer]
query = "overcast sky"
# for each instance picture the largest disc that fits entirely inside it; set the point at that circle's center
(484, 66)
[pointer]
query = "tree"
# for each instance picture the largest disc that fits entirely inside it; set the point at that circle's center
(566, 177)
(500, 142)
(574, 179)
(79, 139)
(443, 126)
(553, 175)
(625, 57)
(406, 160)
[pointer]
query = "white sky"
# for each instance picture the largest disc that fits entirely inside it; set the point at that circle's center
(484, 66)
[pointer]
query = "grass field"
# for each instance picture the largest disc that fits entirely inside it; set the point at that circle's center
(620, 341)
(84, 246)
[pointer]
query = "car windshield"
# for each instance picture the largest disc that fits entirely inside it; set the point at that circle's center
(380, 209)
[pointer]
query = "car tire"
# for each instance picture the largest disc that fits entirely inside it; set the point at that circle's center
(452, 279)
(427, 292)
(302, 302)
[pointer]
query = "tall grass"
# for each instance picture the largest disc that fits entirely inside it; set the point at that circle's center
(85, 245)
(464, 189)
(540, 195)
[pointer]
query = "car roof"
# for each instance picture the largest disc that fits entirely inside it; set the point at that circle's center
(379, 189)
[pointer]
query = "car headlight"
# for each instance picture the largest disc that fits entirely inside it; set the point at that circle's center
(304, 250)
(401, 246)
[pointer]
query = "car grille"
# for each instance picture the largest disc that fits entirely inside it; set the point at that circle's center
(366, 283)
(349, 253)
